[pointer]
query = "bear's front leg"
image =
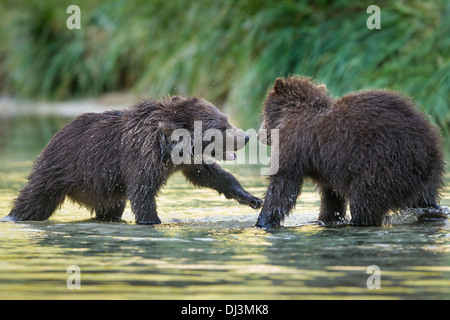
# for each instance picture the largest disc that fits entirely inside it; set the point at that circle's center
(280, 199)
(143, 205)
(214, 177)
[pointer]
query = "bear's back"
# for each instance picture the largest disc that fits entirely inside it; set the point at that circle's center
(376, 104)
(368, 130)
(382, 113)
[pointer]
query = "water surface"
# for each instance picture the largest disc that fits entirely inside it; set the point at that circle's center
(207, 246)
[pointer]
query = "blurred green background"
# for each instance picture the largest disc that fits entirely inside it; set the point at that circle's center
(229, 52)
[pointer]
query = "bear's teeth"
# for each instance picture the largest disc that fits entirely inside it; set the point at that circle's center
(230, 155)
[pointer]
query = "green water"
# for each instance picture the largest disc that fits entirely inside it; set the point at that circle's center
(207, 247)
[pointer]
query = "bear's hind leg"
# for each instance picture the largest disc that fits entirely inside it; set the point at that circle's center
(36, 203)
(364, 215)
(333, 207)
(429, 210)
(143, 205)
(146, 214)
(428, 201)
(111, 214)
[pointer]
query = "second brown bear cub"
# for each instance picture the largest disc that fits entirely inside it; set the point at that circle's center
(102, 159)
(371, 149)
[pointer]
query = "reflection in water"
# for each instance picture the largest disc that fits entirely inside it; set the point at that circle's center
(207, 248)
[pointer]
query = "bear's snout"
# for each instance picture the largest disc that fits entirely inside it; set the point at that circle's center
(238, 139)
(235, 139)
(246, 138)
(263, 135)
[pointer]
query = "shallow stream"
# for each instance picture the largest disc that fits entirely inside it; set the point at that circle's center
(207, 247)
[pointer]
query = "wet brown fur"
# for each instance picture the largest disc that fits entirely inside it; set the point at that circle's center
(371, 149)
(100, 160)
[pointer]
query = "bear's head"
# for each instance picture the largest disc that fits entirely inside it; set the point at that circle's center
(197, 125)
(289, 99)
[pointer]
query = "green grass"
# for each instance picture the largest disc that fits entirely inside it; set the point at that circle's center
(229, 52)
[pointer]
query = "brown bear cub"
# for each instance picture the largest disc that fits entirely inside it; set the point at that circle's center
(100, 160)
(371, 149)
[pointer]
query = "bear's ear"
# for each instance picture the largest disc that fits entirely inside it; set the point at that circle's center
(322, 87)
(175, 98)
(280, 85)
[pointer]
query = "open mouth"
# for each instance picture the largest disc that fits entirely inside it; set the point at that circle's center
(226, 155)
(230, 156)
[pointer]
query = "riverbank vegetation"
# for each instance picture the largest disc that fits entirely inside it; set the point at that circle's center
(229, 52)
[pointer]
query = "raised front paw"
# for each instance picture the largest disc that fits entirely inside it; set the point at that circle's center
(251, 201)
(255, 202)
